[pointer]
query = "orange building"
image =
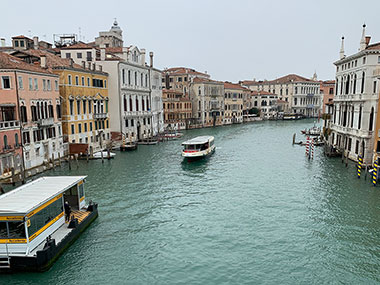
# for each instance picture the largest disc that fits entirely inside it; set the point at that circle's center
(177, 109)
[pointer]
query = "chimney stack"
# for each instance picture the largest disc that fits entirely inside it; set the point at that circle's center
(83, 64)
(35, 42)
(151, 58)
(43, 61)
(143, 56)
(341, 53)
(367, 40)
(100, 67)
(2, 41)
(362, 41)
(102, 54)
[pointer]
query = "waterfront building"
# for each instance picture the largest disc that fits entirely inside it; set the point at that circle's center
(207, 97)
(135, 91)
(355, 101)
(327, 92)
(301, 94)
(83, 94)
(38, 106)
(266, 102)
(177, 109)
(234, 103)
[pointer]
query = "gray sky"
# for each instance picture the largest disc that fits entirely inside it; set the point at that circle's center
(231, 40)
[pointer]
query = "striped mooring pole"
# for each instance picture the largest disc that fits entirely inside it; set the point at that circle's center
(307, 147)
(360, 163)
(375, 172)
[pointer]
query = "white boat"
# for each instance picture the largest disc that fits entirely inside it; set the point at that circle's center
(198, 147)
(98, 154)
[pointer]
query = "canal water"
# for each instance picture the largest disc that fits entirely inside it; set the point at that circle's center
(256, 212)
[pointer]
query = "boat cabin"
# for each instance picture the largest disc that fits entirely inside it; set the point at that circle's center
(32, 212)
(198, 144)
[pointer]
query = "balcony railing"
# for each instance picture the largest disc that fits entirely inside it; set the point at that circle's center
(100, 115)
(46, 122)
(9, 125)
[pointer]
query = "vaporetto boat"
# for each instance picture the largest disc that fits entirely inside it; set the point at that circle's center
(198, 147)
(33, 231)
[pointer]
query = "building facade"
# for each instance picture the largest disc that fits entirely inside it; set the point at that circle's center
(356, 100)
(234, 95)
(177, 110)
(266, 102)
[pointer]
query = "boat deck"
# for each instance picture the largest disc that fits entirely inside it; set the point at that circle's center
(62, 231)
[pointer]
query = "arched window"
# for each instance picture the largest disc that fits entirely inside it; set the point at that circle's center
(363, 76)
(58, 110)
(16, 140)
(129, 77)
(5, 142)
(348, 84)
(360, 118)
(136, 78)
(24, 117)
(51, 111)
(137, 104)
(143, 104)
(123, 76)
(354, 87)
(370, 127)
(130, 104)
(352, 116)
(125, 103)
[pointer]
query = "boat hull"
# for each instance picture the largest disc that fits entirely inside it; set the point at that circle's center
(198, 156)
(46, 257)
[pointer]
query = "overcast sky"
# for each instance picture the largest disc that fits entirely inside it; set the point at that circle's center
(231, 40)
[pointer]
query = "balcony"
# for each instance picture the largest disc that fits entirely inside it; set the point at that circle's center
(46, 122)
(310, 106)
(100, 115)
(9, 125)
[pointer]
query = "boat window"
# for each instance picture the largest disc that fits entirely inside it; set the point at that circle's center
(3, 230)
(44, 216)
(73, 191)
(81, 190)
(16, 230)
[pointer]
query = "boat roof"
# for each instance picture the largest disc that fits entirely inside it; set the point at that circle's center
(199, 140)
(30, 196)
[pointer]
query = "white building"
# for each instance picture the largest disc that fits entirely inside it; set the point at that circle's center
(355, 100)
(266, 102)
(135, 90)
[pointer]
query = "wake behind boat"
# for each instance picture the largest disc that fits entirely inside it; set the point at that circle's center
(198, 147)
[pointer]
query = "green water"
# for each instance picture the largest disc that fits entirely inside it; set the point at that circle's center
(256, 212)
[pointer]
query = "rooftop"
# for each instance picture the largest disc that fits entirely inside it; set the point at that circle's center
(198, 140)
(11, 62)
(30, 196)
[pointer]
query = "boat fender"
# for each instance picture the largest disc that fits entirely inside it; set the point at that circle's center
(92, 206)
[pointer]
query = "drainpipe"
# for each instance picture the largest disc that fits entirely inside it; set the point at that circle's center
(118, 95)
(21, 140)
(150, 98)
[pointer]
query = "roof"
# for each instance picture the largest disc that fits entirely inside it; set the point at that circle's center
(229, 85)
(205, 80)
(30, 196)
(198, 140)
(184, 70)
(79, 45)
(114, 49)
(258, 93)
(373, 46)
(11, 62)
(21, 37)
(281, 80)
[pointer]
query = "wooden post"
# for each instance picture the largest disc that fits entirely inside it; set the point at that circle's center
(101, 153)
(365, 173)
(13, 176)
(108, 154)
(87, 156)
(59, 158)
(76, 159)
(52, 158)
(294, 138)
(69, 161)
(348, 153)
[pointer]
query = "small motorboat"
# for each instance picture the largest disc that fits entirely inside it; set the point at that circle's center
(128, 147)
(98, 155)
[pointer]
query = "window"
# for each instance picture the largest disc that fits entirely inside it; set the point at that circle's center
(136, 78)
(129, 77)
(97, 83)
(48, 85)
(126, 123)
(88, 81)
(30, 83)
(44, 84)
(68, 55)
(69, 79)
(79, 55)
(89, 106)
(90, 126)
(16, 43)
(35, 84)
(82, 81)
(105, 83)
(85, 127)
(374, 87)
(78, 107)
(84, 107)
(58, 110)
(16, 230)
(363, 60)
(20, 83)
(22, 44)
(56, 85)
(76, 80)
(25, 137)
(6, 82)
(71, 107)
(72, 129)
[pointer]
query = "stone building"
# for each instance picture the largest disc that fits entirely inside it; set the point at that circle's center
(234, 95)
(207, 97)
(266, 102)
(177, 110)
(355, 101)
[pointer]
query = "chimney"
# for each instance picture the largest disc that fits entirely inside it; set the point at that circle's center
(341, 53)
(43, 61)
(83, 64)
(35, 42)
(2, 41)
(143, 56)
(93, 66)
(71, 62)
(89, 65)
(362, 41)
(151, 59)
(367, 40)
(100, 67)
(102, 54)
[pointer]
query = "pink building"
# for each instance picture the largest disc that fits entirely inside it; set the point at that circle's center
(35, 91)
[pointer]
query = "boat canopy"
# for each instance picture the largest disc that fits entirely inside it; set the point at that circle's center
(199, 140)
(30, 196)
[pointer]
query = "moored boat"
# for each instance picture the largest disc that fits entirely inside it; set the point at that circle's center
(98, 155)
(198, 147)
(33, 230)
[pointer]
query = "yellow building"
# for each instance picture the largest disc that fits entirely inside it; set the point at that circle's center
(84, 95)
